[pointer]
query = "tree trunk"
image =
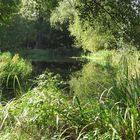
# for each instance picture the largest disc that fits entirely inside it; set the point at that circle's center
(39, 33)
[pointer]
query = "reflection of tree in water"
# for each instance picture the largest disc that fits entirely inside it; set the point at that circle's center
(92, 79)
(65, 69)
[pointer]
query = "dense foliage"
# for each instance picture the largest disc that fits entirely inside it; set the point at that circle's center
(7, 9)
(94, 24)
(108, 111)
(14, 72)
(100, 24)
(99, 102)
(30, 27)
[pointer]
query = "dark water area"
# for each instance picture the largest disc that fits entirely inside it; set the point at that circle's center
(65, 69)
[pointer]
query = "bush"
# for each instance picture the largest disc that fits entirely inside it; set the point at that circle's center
(45, 113)
(14, 73)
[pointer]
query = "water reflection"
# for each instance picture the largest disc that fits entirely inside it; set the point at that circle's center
(92, 79)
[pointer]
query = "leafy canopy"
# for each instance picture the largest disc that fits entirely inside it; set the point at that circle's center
(7, 9)
(99, 24)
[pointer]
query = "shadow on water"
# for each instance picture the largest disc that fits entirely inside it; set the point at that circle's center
(65, 68)
(60, 61)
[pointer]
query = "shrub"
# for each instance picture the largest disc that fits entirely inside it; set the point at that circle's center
(44, 112)
(38, 109)
(14, 72)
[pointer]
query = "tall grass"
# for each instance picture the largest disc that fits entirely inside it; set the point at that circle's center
(14, 72)
(109, 110)
(116, 87)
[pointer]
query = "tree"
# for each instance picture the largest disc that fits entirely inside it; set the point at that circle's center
(122, 18)
(98, 24)
(39, 11)
(7, 9)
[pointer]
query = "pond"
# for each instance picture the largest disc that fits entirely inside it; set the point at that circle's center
(85, 78)
(65, 68)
